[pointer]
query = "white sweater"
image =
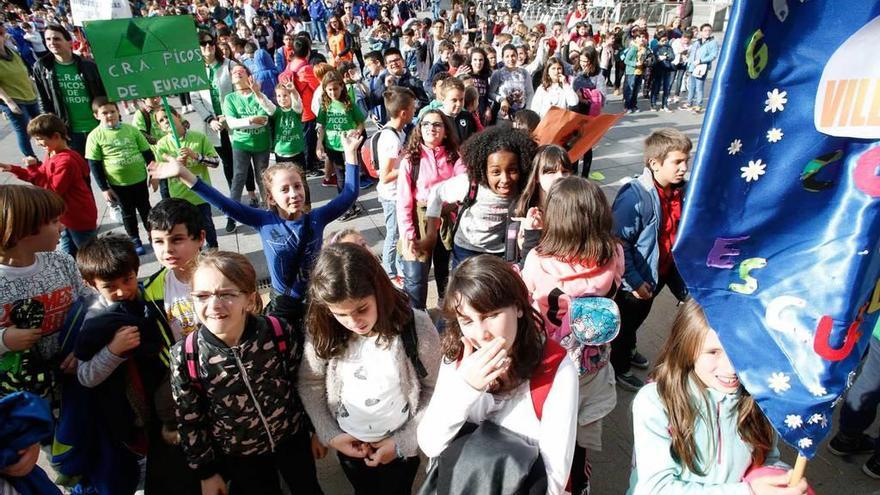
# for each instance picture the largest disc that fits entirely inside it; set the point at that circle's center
(554, 96)
(455, 402)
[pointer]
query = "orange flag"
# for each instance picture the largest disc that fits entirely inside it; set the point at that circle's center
(573, 131)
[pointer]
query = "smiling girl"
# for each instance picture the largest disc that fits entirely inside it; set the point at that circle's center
(695, 428)
(363, 389)
(233, 382)
(493, 345)
(498, 160)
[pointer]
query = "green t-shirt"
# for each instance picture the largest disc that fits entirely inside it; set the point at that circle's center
(336, 120)
(140, 122)
(289, 139)
(215, 90)
(196, 141)
(120, 149)
(237, 106)
(76, 97)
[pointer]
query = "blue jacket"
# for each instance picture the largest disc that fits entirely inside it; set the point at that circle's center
(637, 222)
(703, 53)
(317, 10)
(25, 419)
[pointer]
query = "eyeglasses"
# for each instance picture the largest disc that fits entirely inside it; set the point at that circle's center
(224, 296)
(435, 125)
(206, 42)
(393, 61)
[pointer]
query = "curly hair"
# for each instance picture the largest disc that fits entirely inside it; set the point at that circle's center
(413, 151)
(331, 77)
(478, 147)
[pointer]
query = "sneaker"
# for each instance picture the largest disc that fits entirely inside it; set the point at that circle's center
(697, 109)
(352, 212)
(684, 106)
(628, 381)
(139, 247)
(635, 110)
(314, 173)
(843, 444)
(639, 361)
(367, 182)
(230, 226)
(655, 109)
(674, 99)
(617, 92)
(666, 109)
(254, 202)
(331, 182)
(872, 467)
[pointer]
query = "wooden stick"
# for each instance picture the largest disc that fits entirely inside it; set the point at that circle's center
(798, 472)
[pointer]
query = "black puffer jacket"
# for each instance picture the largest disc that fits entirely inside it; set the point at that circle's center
(49, 91)
(244, 402)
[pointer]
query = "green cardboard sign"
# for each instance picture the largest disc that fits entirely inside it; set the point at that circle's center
(147, 56)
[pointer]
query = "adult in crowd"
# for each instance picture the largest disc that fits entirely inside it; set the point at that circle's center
(703, 53)
(66, 85)
(18, 100)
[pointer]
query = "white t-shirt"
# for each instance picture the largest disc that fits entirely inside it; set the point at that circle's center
(388, 146)
(372, 404)
(179, 308)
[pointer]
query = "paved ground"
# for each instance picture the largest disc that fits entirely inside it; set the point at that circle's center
(618, 158)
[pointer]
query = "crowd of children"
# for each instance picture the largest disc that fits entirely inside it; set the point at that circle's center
(187, 383)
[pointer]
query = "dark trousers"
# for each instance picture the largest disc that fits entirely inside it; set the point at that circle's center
(633, 313)
(581, 469)
(210, 230)
(860, 407)
(258, 474)
(631, 87)
(77, 142)
(586, 163)
(310, 134)
(185, 99)
(167, 470)
(225, 152)
(394, 478)
(662, 82)
(134, 200)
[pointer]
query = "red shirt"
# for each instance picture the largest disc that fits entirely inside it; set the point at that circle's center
(66, 173)
(670, 214)
(303, 77)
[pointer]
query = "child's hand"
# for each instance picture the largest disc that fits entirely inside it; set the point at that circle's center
(171, 437)
(69, 364)
(777, 485)
(25, 463)
(214, 486)
(481, 367)
(534, 219)
(643, 291)
(154, 184)
(351, 141)
(384, 451)
(126, 339)
(216, 125)
(165, 170)
(20, 339)
(110, 196)
(319, 450)
(187, 153)
(320, 153)
(258, 120)
(5, 167)
(350, 446)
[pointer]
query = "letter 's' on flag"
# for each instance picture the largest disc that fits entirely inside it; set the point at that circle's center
(779, 238)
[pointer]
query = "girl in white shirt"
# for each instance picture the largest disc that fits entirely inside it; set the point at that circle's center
(555, 89)
(368, 370)
(494, 343)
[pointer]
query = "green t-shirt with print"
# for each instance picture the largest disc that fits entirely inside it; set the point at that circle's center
(76, 97)
(140, 121)
(120, 149)
(199, 143)
(289, 140)
(237, 106)
(336, 120)
(215, 90)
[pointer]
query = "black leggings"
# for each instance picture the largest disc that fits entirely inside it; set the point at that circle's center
(133, 199)
(258, 474)
(394, 478)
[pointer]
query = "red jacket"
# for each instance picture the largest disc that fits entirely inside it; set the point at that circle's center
(66, 173)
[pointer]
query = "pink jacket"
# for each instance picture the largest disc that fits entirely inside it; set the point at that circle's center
(543, 275)
(433, 169)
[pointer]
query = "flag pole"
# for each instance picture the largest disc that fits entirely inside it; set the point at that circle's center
(798, 472)
(167, 109)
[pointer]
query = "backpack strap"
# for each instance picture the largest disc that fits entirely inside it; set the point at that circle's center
(191, 356)
(468, 201)
(277, 334)
(542, 379)
(410, 340)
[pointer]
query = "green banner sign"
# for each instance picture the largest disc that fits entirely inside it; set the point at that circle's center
(147, 56)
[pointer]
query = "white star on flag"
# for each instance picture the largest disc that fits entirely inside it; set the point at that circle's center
(779, 382)
(805, 443)
(753, 171)
(735, 147)
(775, 101)
(793, 421)
(774, 135)
(817, 390)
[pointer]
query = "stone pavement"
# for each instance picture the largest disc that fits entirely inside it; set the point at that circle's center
(618, 157)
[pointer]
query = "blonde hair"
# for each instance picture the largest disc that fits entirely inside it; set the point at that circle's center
(664, 141)
(24, 210)
(270, 172)
(674, 374)
(237, 269)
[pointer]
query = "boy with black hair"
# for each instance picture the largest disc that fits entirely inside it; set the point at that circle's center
(121, 350)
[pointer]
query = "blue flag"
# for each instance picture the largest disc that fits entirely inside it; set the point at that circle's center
(779, 236)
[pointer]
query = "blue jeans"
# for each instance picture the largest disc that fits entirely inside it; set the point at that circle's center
(415, 276)
(72, 240)
(860, 407)
(319, 31)
(459, 254)
(662, 82)
(19, 123)
(631, 86)
(435, 9)
(695, 93)
(210, 230)
(390, 259)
